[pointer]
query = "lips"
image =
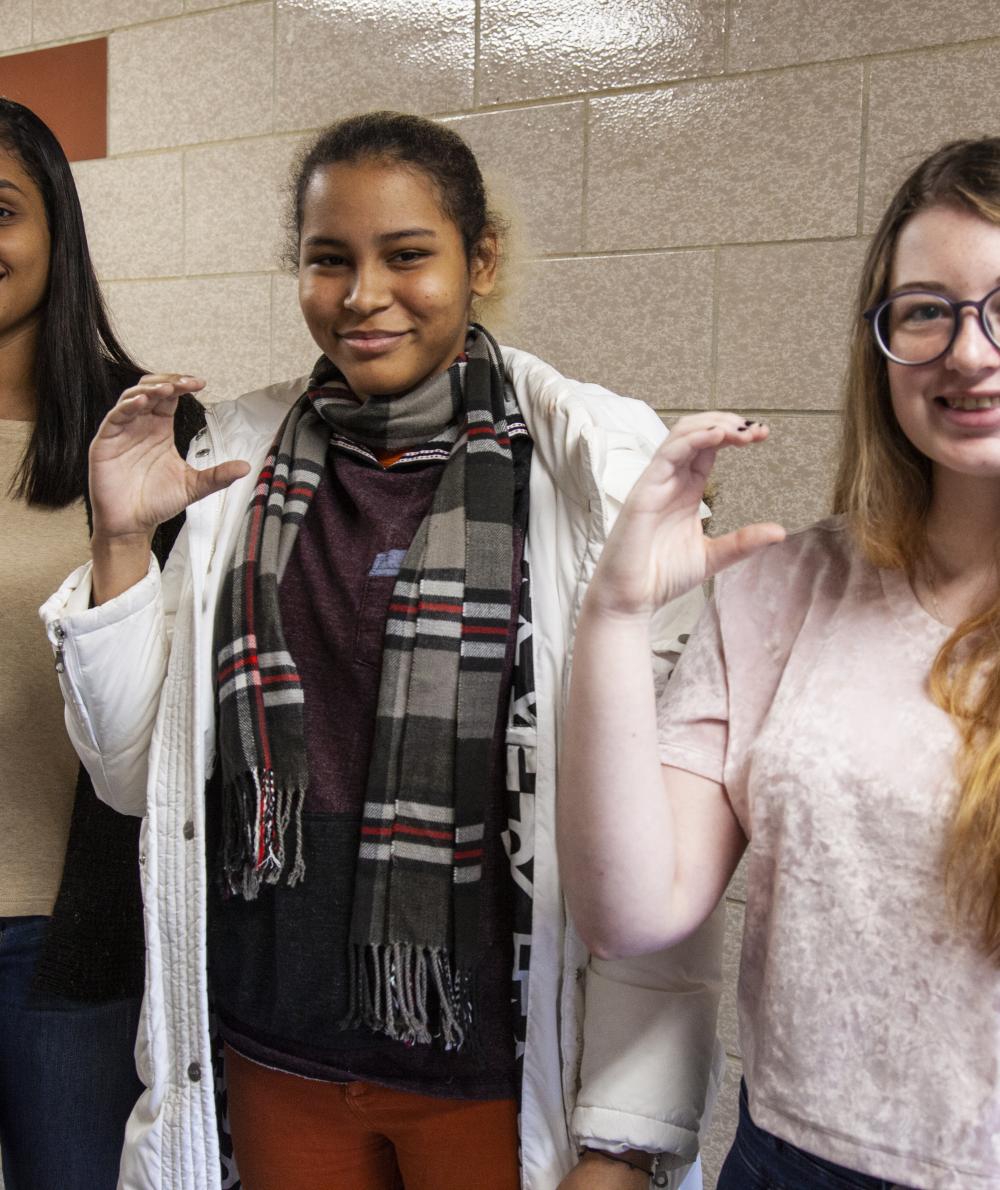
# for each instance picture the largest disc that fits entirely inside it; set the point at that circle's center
(367, 344)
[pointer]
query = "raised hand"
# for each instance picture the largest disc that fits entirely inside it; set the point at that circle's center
(138, 479)
(657, 550)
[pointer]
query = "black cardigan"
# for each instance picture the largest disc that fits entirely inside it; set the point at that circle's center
(94, 947)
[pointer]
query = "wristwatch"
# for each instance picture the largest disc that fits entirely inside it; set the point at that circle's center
(656, 1165)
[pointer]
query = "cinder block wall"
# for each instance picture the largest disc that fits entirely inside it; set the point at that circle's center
(694, 182)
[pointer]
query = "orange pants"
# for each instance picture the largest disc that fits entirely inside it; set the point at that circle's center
(292, 1133)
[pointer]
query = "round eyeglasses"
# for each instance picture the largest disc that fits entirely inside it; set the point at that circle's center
(920, 326)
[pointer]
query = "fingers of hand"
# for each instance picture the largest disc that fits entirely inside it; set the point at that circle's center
(214, 479)
(731, 428)
(182, 381)
(721, 552)
(703, 432)
(162, 388)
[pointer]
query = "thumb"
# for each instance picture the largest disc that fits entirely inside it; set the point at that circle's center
(214, 479)
(731, 548)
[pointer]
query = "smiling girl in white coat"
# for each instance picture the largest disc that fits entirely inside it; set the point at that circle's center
(362, 652)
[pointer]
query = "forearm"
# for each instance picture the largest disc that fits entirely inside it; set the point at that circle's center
(111, 661)
(118, 564)
(615, 828)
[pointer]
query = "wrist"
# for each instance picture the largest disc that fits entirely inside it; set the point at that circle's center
(118, 563)
(115, 544)
(637, 1159)
(599, 613)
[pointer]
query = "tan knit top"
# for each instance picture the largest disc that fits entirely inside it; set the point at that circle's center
(38, 548)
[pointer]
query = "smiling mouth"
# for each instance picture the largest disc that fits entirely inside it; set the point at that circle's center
(370, 336)
(967, 403)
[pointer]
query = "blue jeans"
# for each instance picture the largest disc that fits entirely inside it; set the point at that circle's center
(67, 1076)
(760, 1161)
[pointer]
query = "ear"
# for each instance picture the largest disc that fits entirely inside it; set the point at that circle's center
(484, 264)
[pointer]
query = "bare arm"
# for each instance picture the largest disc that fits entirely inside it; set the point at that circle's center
(645, 850)
(138, 480)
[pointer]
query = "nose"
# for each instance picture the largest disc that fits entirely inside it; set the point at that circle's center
(972, 350)
(369, 291)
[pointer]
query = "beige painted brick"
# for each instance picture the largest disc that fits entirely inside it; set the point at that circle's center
(534, 48)
(785, 312)
(737, 890)
(202, 5)
(768, 33)
(732, 945)
(216, 327)
(772, 157)
(198, 78)
(293, 351)
(639, 325)
(788, 479)
(234, 204)
(533, 162)
(15, 27)
(54, 20)
(333, 58)
(133, 207)
(916, 103)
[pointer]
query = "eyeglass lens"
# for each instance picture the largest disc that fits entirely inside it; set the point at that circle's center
(918, 327)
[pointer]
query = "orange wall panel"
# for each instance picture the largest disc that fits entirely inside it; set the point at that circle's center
(67, 86)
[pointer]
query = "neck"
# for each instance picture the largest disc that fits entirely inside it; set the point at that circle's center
(963, 525)
(17, 372)
(963, 545)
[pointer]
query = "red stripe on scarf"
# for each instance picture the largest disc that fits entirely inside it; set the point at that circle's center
(423, 831)
(249, 659)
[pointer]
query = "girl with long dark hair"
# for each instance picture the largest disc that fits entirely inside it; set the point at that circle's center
(71, 937)
(343, 733)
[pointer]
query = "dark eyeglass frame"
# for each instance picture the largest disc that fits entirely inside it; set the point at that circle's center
(873, 314)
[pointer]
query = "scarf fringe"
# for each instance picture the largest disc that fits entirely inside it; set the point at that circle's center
(389, 985)
(256, 816)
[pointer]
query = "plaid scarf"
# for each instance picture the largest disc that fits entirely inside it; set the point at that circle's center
(415, 924)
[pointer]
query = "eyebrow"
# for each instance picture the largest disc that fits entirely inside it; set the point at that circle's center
(386, 238)
(928, 286)
(6, 184)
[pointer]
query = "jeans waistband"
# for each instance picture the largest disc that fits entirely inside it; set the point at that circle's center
(769, 1153)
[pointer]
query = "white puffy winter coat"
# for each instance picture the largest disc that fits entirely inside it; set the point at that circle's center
(617, 1053)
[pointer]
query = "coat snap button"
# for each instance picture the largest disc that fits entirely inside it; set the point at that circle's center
(194, 1072)
(189, 829)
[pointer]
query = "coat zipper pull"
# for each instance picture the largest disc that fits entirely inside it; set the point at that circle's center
(60, 632)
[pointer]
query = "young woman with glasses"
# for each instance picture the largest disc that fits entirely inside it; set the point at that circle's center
(836, 715)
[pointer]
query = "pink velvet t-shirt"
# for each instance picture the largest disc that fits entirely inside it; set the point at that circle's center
(869, 1018)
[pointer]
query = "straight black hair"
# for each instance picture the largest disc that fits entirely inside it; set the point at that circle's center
(80, 367)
